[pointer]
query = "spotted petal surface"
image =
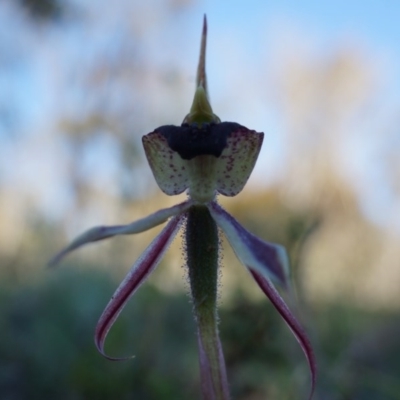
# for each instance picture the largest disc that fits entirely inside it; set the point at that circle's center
(237, 160)
(169, 169)
(207, 158)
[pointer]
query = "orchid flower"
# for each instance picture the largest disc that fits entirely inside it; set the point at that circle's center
(204, 157)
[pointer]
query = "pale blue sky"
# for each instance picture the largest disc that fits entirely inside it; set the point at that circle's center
(243, 36)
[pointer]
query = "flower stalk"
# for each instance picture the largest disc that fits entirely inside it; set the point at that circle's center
(204, 157)
(202, 261)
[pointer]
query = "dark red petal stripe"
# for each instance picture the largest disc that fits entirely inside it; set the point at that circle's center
(292, 322)
(136, 276)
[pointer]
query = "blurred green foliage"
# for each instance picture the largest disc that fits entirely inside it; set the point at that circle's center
(47, 349)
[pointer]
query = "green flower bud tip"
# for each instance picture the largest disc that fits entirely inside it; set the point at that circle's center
(201, 111)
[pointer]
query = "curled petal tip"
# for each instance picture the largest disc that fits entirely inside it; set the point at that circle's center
(92, 235)
(266, 262)
(102, 352)
(143, 267)
(104, 232)
(268, 288)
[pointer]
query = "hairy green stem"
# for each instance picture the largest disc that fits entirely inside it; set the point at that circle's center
(202, 258)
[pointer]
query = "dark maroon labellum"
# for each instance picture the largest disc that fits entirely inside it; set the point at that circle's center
(194, 140)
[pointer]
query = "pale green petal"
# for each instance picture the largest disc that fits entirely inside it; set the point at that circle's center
(169, 169)
(237, 160)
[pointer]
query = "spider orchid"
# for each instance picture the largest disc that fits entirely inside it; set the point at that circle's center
(204, 157)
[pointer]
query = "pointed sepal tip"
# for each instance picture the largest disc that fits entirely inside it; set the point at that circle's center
(201, 111)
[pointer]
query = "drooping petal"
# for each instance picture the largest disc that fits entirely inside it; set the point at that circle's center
(269, 259)
(136, 276)
(104, 232)
(268, 288)
(237, 160)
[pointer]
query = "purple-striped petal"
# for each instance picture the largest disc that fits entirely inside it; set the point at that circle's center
(269, 259)
(276, 299)
(104, 232)
(211, 367)
(136, 276)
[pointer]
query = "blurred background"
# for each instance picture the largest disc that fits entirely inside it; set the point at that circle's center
(81, 81)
